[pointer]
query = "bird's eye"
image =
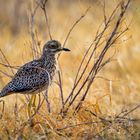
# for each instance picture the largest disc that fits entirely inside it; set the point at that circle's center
(53, 46)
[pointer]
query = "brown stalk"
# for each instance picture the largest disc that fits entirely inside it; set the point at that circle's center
(42, 5)
(95, 69)
(6, 60)
(78, 125)
(97, 39)
(61, 88)
(73, 26)
(71, 29)
(107, 46)
(31, 29)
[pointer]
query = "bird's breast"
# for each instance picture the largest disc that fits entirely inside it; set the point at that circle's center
(51, 68)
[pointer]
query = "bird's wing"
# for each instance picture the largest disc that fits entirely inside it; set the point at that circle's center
(29, 68)
(30, 76)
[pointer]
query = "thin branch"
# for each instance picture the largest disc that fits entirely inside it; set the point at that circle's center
(47, 101)
(4, 73)
(98, 37)
(77, 21)
(31, 29)
(77, 125)
(130, 111)
(101, 56)
(3, 106)
(61, 88)
(43, 7)
(7, 65)
(96, 66)
(104, 11)
(6, 60)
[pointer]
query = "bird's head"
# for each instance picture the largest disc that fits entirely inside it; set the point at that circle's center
(53, 47)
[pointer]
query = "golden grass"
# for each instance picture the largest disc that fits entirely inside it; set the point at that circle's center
(106, 98)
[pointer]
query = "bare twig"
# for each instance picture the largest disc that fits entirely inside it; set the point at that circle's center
(101, 56)
(4, 73)
(104, 11)
(98, 37)
(31, 28)
(98, 63)
(61, 88)
(73, 26)
(7, 65)
(130, 111)
(3, 105)
(77, 125)
(6, 60)
(47, 101)
(43, 4)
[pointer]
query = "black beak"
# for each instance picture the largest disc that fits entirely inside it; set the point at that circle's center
(65, 49)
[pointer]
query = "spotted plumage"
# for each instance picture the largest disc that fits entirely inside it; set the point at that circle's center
(37, 74)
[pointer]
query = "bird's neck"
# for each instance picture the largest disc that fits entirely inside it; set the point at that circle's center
(49, 60)
(50, 64)
(47, 57)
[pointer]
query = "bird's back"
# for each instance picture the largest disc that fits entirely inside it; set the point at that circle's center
(31, 77)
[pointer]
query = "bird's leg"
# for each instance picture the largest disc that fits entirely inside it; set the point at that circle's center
(3, 105)
(47, 101)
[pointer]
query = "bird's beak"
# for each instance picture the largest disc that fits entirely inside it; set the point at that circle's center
(65, 49)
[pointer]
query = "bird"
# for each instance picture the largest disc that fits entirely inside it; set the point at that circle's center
(36, 75)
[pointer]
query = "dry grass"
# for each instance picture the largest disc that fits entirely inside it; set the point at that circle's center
(115, 90)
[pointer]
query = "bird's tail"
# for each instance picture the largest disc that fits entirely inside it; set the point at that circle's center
(4, 92)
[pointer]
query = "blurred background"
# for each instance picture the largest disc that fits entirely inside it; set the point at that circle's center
(124, 73)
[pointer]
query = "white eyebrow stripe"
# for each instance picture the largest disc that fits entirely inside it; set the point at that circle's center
(53, 49)
(53, 43)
